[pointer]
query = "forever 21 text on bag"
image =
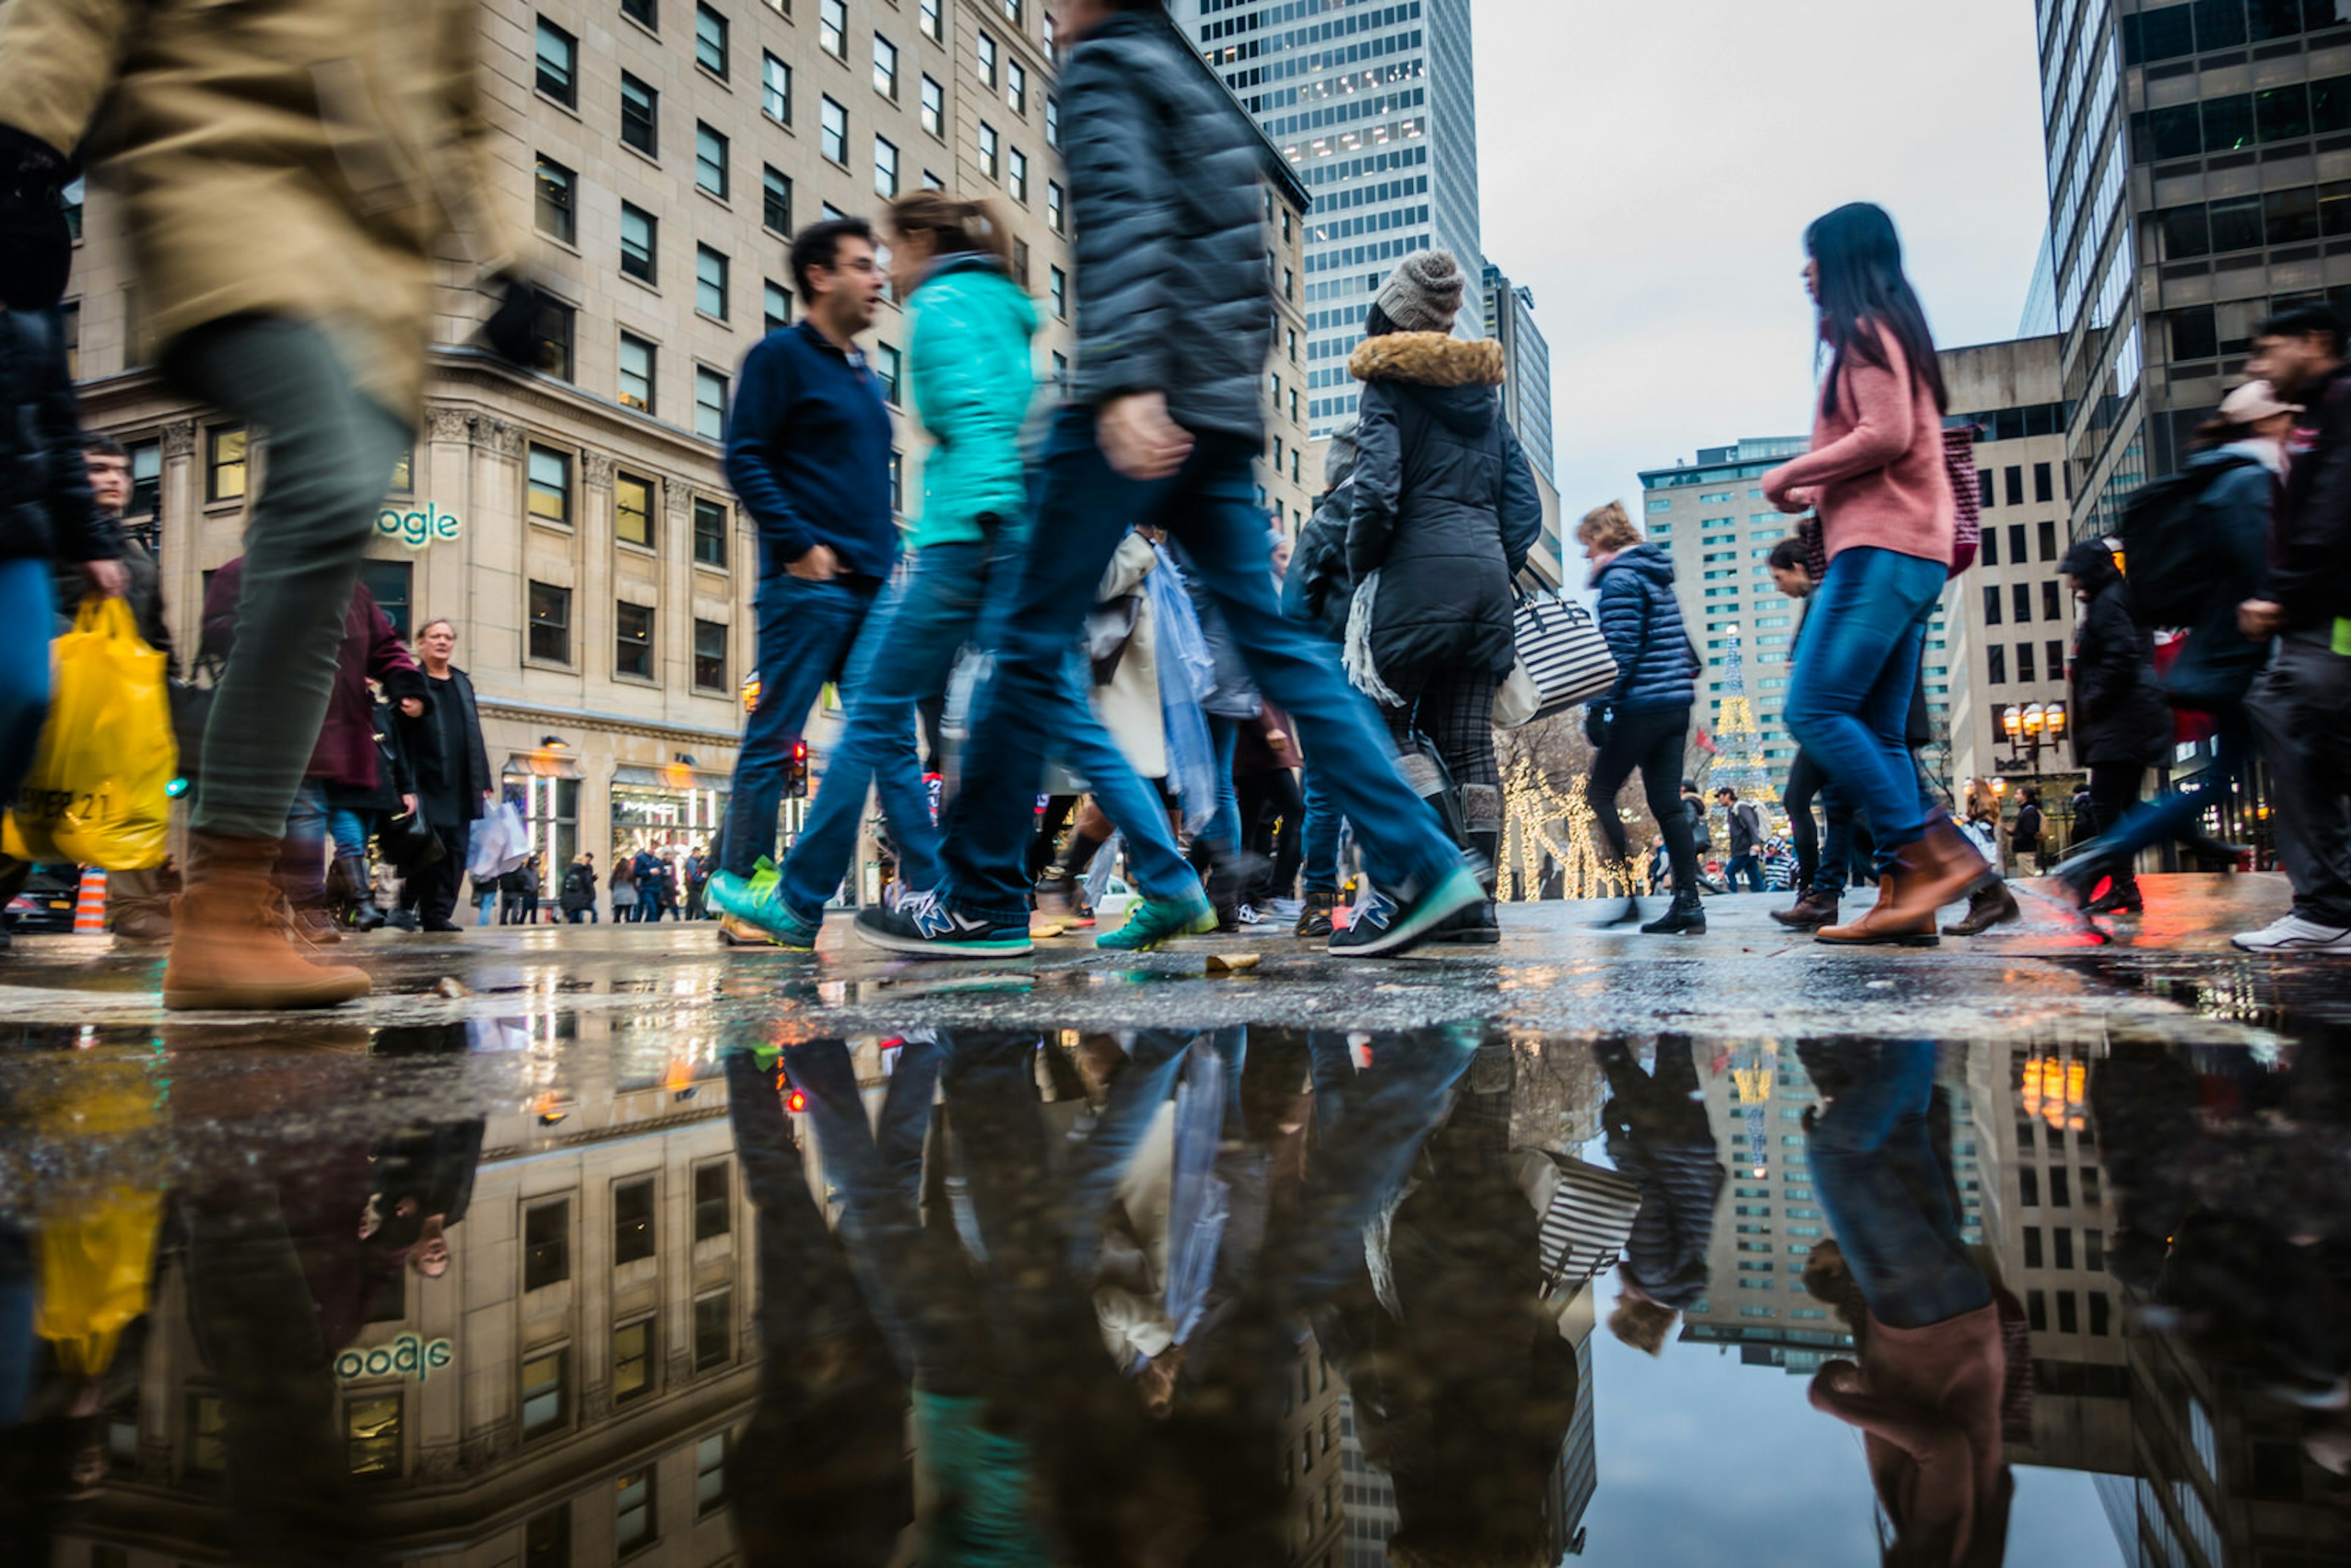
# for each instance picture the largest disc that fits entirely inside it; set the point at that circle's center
(99, 792)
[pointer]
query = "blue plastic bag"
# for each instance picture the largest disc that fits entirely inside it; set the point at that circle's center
(1186, 674)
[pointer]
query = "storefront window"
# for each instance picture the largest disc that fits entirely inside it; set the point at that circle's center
(550, 809)
(669, 811)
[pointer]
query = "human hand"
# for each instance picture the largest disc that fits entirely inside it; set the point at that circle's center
(1139, 439)
(1277, 737)
(408, 804)
(110, 577)
(1800, 500)
(413, 707)
(819, 565)
(2260, 619)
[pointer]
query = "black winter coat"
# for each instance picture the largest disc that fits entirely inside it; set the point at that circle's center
(1317, 591)
(2119, 716)
(45, 510)
(1642, 622)
(2217, 667)
(1445, 506)
(2310, 545)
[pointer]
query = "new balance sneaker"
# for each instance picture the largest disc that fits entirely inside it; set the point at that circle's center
(924, 927)
(1382, 926)
(1157, 920)
(2293, 933)
(752, 910)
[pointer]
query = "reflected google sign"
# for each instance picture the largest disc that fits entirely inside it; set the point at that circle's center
(408, 1355)
(417, 530)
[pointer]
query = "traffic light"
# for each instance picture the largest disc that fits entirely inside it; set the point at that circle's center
(796, 781)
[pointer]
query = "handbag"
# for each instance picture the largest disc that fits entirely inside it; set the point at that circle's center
(1564, 656)
(1588, 1223)
(410, 843)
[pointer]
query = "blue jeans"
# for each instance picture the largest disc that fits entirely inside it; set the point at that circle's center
(1320, 836)
(1887, 1197)
(2173, 814)
(1211, 505)
(807, 631)
(1849, 694)
(1132, 806)
(313, 819)
(1225, 827)
(1748, 866)
(27, 607)
(906, 654)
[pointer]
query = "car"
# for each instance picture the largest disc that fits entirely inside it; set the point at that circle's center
(45, 905)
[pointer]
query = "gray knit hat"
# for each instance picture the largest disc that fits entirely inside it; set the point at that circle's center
(1424, 293)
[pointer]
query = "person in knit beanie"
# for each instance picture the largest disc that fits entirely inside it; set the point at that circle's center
(1424, 293)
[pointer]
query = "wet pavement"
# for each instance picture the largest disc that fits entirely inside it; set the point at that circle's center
(587, 1245)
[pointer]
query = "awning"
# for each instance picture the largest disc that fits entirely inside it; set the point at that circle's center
(542, 765)
(675, 777)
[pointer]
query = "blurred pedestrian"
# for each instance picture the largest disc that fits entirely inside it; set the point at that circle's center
(579, 895)
(1889, 526)
(2024, 834)
(624, 889)
(1660, 1135)
(1746, 840)
(1315, 594)
(442, 735)
(2121, 726)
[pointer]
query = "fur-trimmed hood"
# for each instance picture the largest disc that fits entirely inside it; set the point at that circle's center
(1430, 359)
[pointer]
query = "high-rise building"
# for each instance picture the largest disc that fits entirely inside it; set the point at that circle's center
(1526, 360)
(1375, 106)
(2196, 155)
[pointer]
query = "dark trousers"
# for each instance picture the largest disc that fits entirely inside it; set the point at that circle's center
(431, 891)
(806, 632)
(2113, 795)
(1805, 780)
(1454, 709)
(1273, 820)
(1653, 741)
(2297, 709)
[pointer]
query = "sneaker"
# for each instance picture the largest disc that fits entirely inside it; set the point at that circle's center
(923, 925)
(1250, 916)
(757, 902)
(1314, 917)
(1157, 920)
(728, 894)
(1382, 926)
(2293, 933)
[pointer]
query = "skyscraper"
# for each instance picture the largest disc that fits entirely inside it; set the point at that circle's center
(1375, 106)
(1526, 356)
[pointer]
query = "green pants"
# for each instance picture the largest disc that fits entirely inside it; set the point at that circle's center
(331, 449)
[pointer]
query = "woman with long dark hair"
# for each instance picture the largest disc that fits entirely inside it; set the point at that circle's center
(1889, 521)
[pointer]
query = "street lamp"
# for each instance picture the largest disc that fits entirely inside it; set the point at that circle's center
(2031, 727)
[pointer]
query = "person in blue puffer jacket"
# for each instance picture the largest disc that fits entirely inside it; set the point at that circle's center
(1644, 721)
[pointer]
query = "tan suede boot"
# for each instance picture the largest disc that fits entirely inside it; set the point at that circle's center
(233, 943)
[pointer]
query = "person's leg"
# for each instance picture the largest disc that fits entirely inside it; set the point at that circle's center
(1289, 807)
(2113, 795)
(806, 631)
(27, 600)
(2297, 710)
(1856, 665)
(1611, 765)
(1318, 838)
(2176, 814)
(1660, 738)
(1224, 829)
(1120, 794)
(1804, 781)
(302, 852)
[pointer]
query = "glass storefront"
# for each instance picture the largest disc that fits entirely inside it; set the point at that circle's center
(671, 811)
(548, 796)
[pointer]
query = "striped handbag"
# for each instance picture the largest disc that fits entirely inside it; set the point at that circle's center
(1563, 660)
(1590, 1220)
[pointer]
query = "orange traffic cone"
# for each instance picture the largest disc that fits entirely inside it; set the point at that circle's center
(90, 909)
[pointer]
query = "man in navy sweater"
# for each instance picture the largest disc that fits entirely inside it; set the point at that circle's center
(807, 450)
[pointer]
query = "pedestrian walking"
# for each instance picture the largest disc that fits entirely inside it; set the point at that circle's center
(2121, 726)
(1746, 840)
(809, 451)
(578, 898)
(1660, 1135)
(651, 900)
(454, 787)
(624, 888)
(518, 904)
(1644, 720)
(1316, 593)
(1164, 423)
(317, 336)
(1230, 705)
(2025, 833)
(1822, 869)
(1889, 526)
(1265, 780)
(697, 882)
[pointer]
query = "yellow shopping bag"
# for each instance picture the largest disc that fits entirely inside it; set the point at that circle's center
(100, 789)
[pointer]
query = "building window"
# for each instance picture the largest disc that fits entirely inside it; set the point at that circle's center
(776, 199)
(709, 405)
(2024, 670)
(1020, 262)
(551, 623)
(710, 282)
(394, 585)
(639, 115)
(2048, 538)
(991, 160)
(1988, 552)
(1062, 371)
(885, 68)
(930, 182)
(935, 108)
(632, 1511)
(714, 1331)
(146, 479)
(545, 1401)
(556, 215)
(2016, 555)
(547, 1539)
(713, 1200)
(1058, 289)
(2052, 601)
(710, 656)
(832, 28)
(633, 633)
(554, 345)
(710, 40)
(225, 462)
(638, 11)
(549, 477)
(2020, 597)
(633, 1361)
(710, 160)
(832, 131)
(985, 60)
(1053, 219)
(1991, 602)
(1015, 88)
(1996, 665)
(637, 233)
(776, 90)
(371, 1435)
(633, 523)
(709, 1474)
(710, 519)
(932, 25)
(547, 1228)
(774, 306)
(898, 482)
(636, 373)
(2056, 651)
(885, 167)
(634, 1236)
(1052, 121)
(888, 364)
(2015, 486)
(558, 63)
(1016, 176)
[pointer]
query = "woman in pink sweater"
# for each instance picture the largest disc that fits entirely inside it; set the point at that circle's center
(1875, 475)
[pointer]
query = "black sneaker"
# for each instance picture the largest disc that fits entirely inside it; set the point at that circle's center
(924, 927)
(1382, 926)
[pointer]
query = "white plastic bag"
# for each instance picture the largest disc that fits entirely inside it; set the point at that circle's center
(497, 843)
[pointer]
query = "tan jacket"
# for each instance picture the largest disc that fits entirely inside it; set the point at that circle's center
(1129, 705)
(293, 158)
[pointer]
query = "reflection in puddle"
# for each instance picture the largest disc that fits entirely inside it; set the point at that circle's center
(561, 1287)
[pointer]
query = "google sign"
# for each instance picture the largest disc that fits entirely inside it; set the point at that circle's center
(407, 1355)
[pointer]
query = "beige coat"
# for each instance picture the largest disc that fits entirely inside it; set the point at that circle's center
(1129, 705)
(294, 157)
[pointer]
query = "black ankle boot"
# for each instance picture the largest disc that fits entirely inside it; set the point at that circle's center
(1628, 915)
(360, 913)
(1686, 918)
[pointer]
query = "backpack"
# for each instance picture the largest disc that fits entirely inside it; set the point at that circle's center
(2168, 546)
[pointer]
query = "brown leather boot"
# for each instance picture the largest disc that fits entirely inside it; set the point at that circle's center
(1882, 926)
(1813, 911)
(233, 943)
(1987, 907)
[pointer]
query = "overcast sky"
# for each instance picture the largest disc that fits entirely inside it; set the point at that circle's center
(1648, 171)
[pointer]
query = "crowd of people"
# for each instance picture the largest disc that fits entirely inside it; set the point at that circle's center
(1161, 670)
